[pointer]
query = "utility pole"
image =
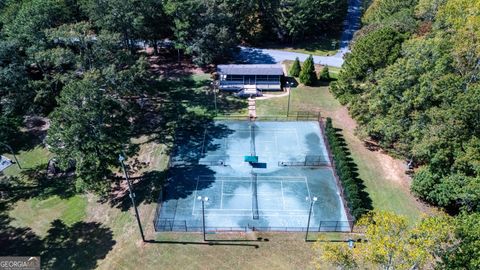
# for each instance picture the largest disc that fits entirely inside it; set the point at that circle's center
(132, 196)
(289, 93)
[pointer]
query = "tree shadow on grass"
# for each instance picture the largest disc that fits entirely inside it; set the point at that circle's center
(78, 246)
(366, 201)
(147, 188)
(35, 183)
(16, 240)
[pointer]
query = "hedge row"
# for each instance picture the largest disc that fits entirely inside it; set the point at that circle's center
(352, 185)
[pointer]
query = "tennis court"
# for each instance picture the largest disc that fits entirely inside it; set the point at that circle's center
(291, 164)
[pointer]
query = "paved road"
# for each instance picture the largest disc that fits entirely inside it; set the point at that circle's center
(269, 56)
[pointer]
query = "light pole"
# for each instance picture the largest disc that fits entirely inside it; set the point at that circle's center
(312, 201)
(214, 86)
(203, 199)
(289, 93)
(13, 154)
(132, 196)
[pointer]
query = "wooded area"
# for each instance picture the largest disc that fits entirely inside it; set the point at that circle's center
(412, 83)
(75, 60)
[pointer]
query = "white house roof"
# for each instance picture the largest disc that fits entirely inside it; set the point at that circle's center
(250, 69)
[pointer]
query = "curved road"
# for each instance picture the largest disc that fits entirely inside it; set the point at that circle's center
(269, 56)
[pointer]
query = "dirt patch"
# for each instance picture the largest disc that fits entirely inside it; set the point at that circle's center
(172, 64)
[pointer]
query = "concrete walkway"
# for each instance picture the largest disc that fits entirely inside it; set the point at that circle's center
(268, 56)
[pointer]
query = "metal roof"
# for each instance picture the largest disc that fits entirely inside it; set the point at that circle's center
(250, 69)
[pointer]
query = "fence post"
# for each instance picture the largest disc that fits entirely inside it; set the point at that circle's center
(320, 226)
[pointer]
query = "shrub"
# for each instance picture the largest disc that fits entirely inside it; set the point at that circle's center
(345, 171)
(324, 74)
(295, 69)
(308, 75)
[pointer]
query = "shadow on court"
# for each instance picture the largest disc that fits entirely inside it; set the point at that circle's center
(208, 243)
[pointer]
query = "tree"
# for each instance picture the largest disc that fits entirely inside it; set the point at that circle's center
(90, 128)
(465, 253)
(392, 244)
(119, 16)
(30, 18)
(324, 74)
(295, 69)
(308, 75)
(380, 10)
(205, 30)
(9, 130)
(300, 19)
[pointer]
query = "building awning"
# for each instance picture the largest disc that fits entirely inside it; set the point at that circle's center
(275, 70)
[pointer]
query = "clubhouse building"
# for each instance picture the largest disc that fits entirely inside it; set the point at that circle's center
(248, 80)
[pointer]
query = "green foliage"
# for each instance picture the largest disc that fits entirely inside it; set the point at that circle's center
(307, 74)
(373, 51)
(392, 244)
(210, 38)
(26, 21)
(9, 129)
(465, 254)
(297, 19)
(324, 74)
(381, 10)
(357, 201)
(90, 128)
(295, 69)
(418, 96)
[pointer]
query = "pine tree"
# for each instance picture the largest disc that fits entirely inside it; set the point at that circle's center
(324, 74)
(295, 69)
(308, 75)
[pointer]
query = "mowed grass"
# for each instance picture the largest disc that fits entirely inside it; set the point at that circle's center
(28, 159)
(38, 213)
(188, 251)
(323, 46)
(386, 194)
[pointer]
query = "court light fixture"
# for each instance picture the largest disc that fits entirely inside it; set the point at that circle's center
(312, 201)
(203, 199)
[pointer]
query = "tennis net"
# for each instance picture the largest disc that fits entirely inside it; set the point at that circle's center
(252, 140)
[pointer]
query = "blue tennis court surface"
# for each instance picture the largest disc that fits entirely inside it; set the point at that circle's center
(270, 194)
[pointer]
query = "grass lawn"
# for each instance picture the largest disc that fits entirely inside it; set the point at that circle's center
(28, 160)
(104, 234)
(322, 47)
(38, 213)
(381, 183)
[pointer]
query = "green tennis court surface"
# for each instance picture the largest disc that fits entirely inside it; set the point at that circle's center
(243, 193)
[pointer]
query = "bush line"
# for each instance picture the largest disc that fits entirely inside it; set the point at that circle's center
(345, 168)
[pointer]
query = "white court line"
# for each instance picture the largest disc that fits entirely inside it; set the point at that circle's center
(298, 139)
(266, 194)
(245, 180)
(283, 197)
(250, 209)
(221, 197)
(273, 178)
(276, 142)
(266, 129)
(308, 189)
(235, 215)
(195, 197)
